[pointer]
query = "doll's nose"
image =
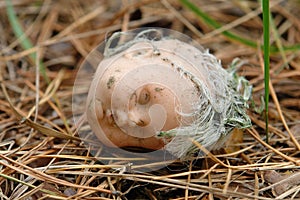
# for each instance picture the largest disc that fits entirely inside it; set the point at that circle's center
(150, 119)
(139, 117)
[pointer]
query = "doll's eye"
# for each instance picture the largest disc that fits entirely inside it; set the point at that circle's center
(144, 97)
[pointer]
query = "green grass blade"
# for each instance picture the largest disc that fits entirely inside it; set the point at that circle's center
(266, 47)
(24, 41)
(248, 42)
(19, 33)
(216, 25)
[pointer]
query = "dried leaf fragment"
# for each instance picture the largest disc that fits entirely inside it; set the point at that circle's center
(282, 183)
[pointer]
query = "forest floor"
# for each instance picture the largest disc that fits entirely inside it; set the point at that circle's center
(41, 154)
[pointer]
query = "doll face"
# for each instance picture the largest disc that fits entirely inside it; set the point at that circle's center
(133, 117)
(136, 94)
(151, 108)
(139, 111)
